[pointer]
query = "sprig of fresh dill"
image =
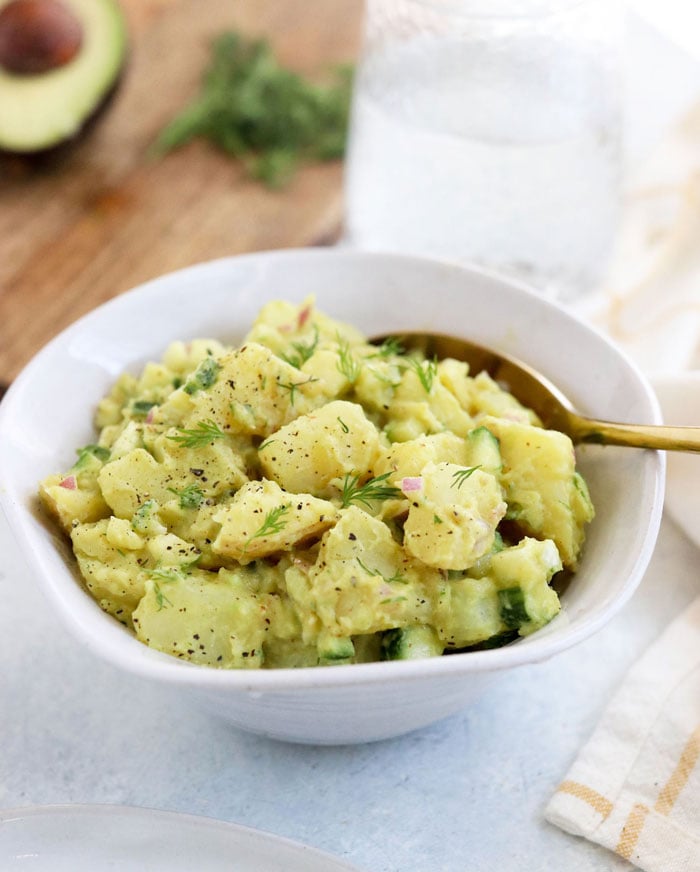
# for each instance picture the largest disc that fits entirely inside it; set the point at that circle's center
(270, 117)
(426, 370)
(348, 364)
(459, 477)
(292, 387)
(190, 496)
(390, 347)
(273, 523)
(373, 490)
(198, 436)
(396, 578)
(304, 350)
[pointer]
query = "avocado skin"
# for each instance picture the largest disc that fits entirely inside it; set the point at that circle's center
(95, 90)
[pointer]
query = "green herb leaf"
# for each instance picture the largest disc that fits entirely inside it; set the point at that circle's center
(391, 347)
(190, 497)
(459, 477)
(426, 370)
(142, 515)
(88, 452)
(292, 387)
(203, 377)
(273, 523)
(396, 578)
(304, 350)
(165, 575)
(373, 490)
(161, 599)
(202, 434)
(348, 365)
(372, 572)
(256, 110)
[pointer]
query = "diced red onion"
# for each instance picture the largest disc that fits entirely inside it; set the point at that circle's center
(412, 483)
(303, 316)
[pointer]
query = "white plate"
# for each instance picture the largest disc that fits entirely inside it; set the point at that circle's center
(97, 838)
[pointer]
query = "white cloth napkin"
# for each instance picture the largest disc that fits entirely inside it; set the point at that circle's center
(635, 786)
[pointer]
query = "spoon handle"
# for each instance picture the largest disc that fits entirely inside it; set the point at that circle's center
(634, 435)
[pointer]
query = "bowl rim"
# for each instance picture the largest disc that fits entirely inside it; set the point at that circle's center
(111, 641)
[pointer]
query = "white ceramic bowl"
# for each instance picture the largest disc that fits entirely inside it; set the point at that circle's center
(48, 412)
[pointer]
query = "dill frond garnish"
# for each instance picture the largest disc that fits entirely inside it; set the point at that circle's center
(292, 387)
(426, 370)
(191, 496)
(198, 436)
(303, 350)
(459, 477)
(269, 117)
(348, 365)
(390, 347)
(373, 490)
(273, 523)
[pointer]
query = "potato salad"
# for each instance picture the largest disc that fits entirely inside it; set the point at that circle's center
(308, 498)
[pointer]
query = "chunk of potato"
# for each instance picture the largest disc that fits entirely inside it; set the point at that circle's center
(453, 515)
(208, 618)
(311, 452)
(489, 398)
(280, 325)
(522, 574)
(256, 392)
(545, 496)
(416, 410)
(263, 519)
(468, 612)
(361, 582)
(115, 576)
(408, 458)
(137, 476)
(70, 503)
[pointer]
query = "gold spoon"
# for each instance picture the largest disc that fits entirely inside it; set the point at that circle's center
(539, 394)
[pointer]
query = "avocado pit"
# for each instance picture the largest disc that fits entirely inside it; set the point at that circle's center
(37, 36)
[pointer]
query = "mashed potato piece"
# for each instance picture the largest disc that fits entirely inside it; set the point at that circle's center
(308, 499)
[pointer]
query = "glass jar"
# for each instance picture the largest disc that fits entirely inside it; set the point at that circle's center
(488, 131)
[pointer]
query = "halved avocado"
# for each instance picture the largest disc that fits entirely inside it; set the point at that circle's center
(59, 61)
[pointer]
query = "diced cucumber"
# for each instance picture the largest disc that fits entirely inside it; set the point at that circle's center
(410, 643)
(334, 650)
(483, 564)
(513, 611)
(468, 612)
(484, 451)
(522, 574)
(498, 641)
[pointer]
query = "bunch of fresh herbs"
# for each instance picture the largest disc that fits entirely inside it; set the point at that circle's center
(268, 116)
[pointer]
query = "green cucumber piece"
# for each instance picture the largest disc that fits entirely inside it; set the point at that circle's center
(484, 450)
(410, 643)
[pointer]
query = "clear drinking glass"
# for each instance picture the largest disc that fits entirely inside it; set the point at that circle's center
(488, 131)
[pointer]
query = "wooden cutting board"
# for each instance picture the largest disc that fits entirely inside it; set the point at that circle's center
(103, 216)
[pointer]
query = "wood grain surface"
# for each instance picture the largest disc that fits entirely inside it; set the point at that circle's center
(95, 219)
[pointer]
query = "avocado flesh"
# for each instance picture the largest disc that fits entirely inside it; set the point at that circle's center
(40, 111)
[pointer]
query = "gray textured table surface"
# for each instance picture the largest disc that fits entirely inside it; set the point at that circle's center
(467, 793)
